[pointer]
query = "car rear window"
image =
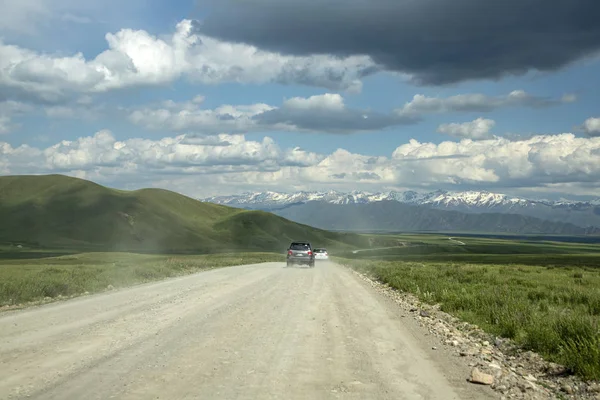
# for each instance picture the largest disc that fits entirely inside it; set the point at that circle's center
(320, 251)
(299, 246)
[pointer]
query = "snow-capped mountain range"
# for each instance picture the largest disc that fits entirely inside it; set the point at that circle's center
(576, 212)
(439, 198)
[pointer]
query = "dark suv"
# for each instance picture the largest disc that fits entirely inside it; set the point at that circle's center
(300, 253)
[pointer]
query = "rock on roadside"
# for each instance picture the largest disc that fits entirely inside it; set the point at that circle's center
(482, 378)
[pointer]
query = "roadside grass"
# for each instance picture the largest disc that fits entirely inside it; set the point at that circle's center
(29, 280)
(550, 260)
(475, 237)
(554, 311)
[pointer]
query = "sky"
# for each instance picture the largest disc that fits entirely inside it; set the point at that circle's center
(209, 97)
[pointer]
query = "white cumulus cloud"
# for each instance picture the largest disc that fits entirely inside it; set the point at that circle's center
(187, 116)
(328, 101)
(136, 57)
(224, 164)
(477, 129)
(591, 126)
(319, 113)
(183, 154)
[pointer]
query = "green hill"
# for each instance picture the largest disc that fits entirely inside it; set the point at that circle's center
(56, 211)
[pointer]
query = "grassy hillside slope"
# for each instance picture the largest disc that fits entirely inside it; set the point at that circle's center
(56, 211)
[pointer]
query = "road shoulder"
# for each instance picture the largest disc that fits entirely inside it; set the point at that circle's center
(453, 368)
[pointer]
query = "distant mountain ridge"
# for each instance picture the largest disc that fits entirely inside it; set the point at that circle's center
(393, 216)
(439, 197)
(579, 213)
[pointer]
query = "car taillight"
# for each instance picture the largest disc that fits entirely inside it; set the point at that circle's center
(310, 253)
(290, 252)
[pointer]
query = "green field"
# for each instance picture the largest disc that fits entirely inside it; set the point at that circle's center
(438, 248)
(544, 295)
(29, 280)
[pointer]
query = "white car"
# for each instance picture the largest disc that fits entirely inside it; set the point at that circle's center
(321, 254)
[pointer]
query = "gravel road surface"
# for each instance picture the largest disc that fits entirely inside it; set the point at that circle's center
(250, 332)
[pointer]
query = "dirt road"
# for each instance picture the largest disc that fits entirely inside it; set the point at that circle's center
(252, 332)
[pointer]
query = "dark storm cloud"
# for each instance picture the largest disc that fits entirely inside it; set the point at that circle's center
(330, 78)
(437, 41)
